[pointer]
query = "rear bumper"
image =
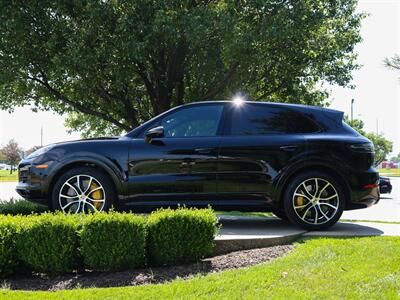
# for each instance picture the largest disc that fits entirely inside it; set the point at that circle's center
(364, 189)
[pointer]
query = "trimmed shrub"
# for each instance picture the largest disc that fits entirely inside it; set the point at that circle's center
(8, 249)
(48, 243)
(20, 207)
(113, 241)
(180, 236)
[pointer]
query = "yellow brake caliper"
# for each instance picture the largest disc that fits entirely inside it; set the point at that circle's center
(299, 201)
(96, 195)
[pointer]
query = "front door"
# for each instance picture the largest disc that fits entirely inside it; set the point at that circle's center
(181, 166)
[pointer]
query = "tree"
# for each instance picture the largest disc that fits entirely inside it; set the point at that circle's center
(393, 63)
(12, 153)
(121, 62)
(396, 158)
(382, 146)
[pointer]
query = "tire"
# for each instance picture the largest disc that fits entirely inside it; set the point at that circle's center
(280, 214)
(94, 192)
(314, 200)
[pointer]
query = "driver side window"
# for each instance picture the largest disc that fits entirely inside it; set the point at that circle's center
(194, 121)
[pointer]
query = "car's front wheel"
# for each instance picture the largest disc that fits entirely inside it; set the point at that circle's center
(314, 200)
(82, 189)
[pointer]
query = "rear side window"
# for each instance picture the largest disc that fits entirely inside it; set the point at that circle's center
(258, 119)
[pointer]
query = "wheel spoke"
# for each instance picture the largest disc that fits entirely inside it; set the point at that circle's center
(72, 187)
(316, 187)
(68, 204)
(330, 205)
(307, 210)
(96, 200)
(323, 189)
(96, 189)
(306, 190)
(316, 215)
(322, 212)
(79, 207)
(68, 197)
(89, 184)
(328, 198)
(90, 204)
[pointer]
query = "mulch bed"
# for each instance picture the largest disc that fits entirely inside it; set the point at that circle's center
(234, 260)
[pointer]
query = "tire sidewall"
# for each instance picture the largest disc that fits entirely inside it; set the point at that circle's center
(291, 188)
(98, 175)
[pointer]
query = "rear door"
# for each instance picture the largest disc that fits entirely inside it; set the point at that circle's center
(259, 141)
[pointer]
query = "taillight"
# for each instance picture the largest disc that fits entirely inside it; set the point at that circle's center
(363, 147)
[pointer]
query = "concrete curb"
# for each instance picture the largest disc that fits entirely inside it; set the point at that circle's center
(227, 245)
(244, 233)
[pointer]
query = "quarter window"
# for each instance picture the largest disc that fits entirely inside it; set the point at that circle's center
(194, 121)
(258, 119)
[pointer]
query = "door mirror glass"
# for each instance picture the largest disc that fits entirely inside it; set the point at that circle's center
(156, 132)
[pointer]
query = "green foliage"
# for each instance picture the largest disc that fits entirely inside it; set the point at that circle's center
(382, 146)
(8, 249)
(49, 243)
(113, 241)
(180, 236)
(20, 207)
(57, 243)
(122, 62)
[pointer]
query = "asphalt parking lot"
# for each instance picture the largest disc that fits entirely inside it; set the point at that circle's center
(388, 208)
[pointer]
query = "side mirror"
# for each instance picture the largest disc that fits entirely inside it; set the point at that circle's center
(156, 132)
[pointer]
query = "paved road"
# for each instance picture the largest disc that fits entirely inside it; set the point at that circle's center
(7, 191)
(388, 209)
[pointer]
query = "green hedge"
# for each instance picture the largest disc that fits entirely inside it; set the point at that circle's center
(48, 243)
(20, 207)
(8, 249)
(55, 243)
(114, 241)
(180, 236)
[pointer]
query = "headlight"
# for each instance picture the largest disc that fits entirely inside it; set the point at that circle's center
(40, 151)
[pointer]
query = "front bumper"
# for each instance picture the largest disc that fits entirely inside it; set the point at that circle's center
(31, 182)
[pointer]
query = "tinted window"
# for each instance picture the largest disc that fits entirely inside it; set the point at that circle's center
(301, 123)
(253, 119)
(193, 121)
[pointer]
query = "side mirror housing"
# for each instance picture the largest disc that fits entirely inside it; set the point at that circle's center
(156, 132)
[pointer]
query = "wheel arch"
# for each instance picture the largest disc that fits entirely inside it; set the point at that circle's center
(285, 180)
(100, 166)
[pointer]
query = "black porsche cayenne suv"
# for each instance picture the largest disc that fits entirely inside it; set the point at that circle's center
(302, 163)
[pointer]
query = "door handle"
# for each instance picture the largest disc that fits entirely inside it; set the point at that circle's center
(203, 150)
(289, 148)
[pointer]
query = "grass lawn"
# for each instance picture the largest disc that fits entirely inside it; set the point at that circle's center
(355, 268)
(389, 172)
(6, 176)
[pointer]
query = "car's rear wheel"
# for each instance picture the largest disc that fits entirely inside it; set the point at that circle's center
(83, 190)
(314, 200)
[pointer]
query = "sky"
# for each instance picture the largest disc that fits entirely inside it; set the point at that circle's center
(377, 92)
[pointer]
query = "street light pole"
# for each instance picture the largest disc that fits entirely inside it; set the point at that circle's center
(41, 136)
(352, 102)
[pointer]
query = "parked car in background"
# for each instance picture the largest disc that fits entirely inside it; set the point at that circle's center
(302, 163)
(385, 187)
